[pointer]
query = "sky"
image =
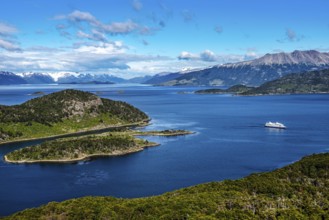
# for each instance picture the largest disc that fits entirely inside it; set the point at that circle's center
(132, 38)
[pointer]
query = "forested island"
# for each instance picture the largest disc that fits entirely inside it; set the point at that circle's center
(67, 111)
(162, 133)
(82, 148)
(237, 89)
(297, 191)
(297, 83)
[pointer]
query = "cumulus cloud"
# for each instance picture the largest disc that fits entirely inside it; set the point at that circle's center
(137, 5)
(184, 55)
(207, 56)
(77, 18)
(291, 36)
(95, 35)
(6, 29)
(251, 54)
(218, 29)
(113, 57)
(119, 27)
(7, 38)
(80, 16)
(8, 45)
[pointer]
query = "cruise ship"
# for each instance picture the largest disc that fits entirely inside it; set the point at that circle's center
(275, 125)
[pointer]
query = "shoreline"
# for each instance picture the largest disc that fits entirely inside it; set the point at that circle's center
(86, 157)
(141, 123)
(151, 133)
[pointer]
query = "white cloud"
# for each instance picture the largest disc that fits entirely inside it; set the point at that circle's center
(6, 29)
(7, 45)
(291, 36)
(7, 38)
(119, 27)
(137, 5)
(207, 56)
(77, 17)
(80, 16)
(184, 55)
(95, 36)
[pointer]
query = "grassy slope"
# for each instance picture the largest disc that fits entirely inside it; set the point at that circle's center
(298, 191)
(63, 112)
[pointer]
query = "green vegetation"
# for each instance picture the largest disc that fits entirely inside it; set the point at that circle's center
(162, 133)
(121, 141)
(237, 89)
(64, 112)
(298, 83)
(74, 149)
(297, 191)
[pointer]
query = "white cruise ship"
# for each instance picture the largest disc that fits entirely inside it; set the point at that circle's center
(275, 125)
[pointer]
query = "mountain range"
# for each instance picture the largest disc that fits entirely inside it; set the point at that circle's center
(255, 72)
(8, 78)
(251, 73)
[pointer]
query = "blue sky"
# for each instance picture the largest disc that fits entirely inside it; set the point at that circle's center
(137, 37)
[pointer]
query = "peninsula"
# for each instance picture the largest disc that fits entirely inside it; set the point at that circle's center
(297, 191)
(68, 150)
(65, 112)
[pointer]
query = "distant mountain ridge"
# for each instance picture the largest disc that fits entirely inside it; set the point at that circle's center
(255, 72)
(299, 83)
(8, 78)
(251, 73)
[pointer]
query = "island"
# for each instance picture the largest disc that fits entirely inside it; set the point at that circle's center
(297, 83)
(297, 191)
(80, 148)
(74, 149)
(65, 112)
(236, 89)
(169, 132)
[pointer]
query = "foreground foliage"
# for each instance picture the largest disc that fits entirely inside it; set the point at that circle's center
(63, 112)
(297, 191)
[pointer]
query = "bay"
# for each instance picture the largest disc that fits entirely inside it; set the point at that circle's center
(230, 142)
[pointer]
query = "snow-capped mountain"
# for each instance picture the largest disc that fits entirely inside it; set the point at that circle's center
(36, 78)
(87, 77)
(8, 78)
(257, 71)
(167, 76)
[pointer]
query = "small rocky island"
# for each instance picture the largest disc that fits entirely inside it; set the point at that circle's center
(64, 112)
(75, 149)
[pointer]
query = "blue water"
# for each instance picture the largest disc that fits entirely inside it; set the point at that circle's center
(230, 143)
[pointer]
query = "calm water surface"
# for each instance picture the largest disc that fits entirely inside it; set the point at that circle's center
(230, 143)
